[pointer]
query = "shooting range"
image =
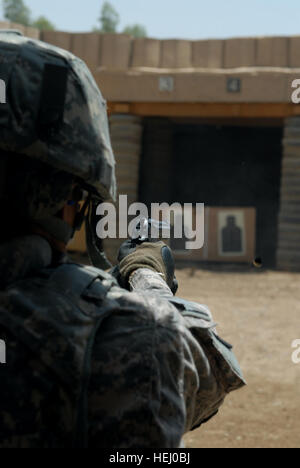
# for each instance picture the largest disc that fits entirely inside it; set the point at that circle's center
(215, 113)
(212, 121)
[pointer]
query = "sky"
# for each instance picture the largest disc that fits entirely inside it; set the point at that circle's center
(186, 19)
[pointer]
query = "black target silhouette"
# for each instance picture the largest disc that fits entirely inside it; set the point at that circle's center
(231, 236)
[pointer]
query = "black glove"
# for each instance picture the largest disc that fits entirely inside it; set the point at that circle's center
(156, 256)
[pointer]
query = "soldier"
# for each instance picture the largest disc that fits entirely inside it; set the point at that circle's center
(88, 363)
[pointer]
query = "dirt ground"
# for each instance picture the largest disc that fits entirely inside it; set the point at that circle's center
(258, 312)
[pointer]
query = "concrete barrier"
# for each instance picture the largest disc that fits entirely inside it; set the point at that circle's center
(272, 52)
(208, 54)
(121, 51)
(146, 53)
(294, 52)
(115, 51)
(32, 32)
(239, 53)
(57, 38)
(176, 54)
(87, 47)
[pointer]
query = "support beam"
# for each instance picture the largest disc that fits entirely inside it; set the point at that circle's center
(214, 110)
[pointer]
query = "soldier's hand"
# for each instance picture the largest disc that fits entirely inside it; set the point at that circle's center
(156, 256)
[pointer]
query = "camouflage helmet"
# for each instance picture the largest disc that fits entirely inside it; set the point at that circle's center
(55, 113)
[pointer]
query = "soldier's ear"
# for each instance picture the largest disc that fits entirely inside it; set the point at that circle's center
(69, 213)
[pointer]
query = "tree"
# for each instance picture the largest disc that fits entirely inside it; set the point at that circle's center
(136, 30)
(109, 18)
(17, 12)
(43, 24)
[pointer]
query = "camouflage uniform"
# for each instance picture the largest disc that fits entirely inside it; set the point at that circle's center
(88, 364)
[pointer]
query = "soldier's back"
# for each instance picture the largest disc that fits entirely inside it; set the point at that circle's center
(49, 323)
(81, 367)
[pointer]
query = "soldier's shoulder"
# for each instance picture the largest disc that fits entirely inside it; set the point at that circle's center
(146, 307)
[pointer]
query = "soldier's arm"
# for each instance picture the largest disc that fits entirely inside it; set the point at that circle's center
(157, 372)
(148, 281)
(209, 356)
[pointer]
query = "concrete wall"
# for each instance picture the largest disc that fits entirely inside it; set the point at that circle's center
(121, 51)
(181, 71)
(130, 70)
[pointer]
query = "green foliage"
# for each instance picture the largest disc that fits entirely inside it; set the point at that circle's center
(17, 12)
(43, 24)
(136, 30)
(109, 19)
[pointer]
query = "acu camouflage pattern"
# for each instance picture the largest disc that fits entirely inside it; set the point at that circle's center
(92, 365)
(81, 144)
(20, 257)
